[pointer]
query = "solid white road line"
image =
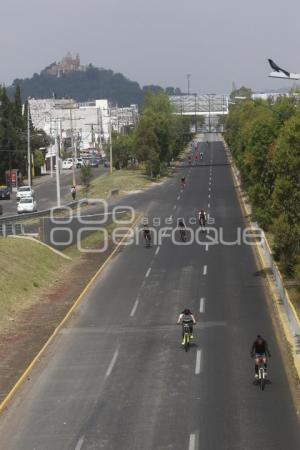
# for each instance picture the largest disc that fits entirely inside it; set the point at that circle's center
(202, 301)
(205, 269)
(157, 250)
(136, 304)
(192, 442)
(79, 443)
(112, 363)
(206, 247)
(148, 272)
(198, 362)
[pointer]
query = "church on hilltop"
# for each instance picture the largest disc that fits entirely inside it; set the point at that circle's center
(67, 65)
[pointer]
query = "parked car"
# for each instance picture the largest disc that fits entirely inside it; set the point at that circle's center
(24, 192)
(79, 162)
(67, 163)
(94, 163)
(27, 204)
(4, 193)
(1, 210)
(106, 164)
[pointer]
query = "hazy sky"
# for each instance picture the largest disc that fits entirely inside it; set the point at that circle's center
(155, 41)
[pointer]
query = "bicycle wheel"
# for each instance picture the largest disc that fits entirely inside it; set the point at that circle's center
(186, 341)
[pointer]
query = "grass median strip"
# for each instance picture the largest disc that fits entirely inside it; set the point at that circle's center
(26, 270)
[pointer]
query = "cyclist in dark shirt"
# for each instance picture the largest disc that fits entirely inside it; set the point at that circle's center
(260, 348)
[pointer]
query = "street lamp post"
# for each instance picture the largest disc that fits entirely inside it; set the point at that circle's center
(28, 146)
(110, 144)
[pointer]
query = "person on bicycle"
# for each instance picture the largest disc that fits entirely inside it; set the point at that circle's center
(260, 349)
(73, 192)
(182, 229)
(202, 218)
(186, 316)
(182, 182)
(201, 155)
(147, 234)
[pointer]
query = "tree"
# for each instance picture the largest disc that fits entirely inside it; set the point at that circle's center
(86, 177)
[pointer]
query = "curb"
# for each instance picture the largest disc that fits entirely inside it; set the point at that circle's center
(75, 305)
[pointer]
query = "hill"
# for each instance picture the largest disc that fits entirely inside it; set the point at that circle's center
(84, 85)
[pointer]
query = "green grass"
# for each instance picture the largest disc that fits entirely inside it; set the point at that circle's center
(124, 180)
(27, 269)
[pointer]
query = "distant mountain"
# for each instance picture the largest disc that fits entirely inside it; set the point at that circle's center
(85, 84)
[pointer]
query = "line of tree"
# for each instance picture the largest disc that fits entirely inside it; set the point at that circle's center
(157, 139)
(264, 137)
(13, 135)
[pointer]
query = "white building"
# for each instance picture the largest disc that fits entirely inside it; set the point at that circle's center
(88, 123)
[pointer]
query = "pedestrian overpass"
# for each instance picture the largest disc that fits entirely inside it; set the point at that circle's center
(200, 105)
(209, 107)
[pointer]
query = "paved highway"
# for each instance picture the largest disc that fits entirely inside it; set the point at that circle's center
(116, 377)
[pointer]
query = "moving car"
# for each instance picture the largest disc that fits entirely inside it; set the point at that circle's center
(26, 205)
(24, 192)
(4, 193)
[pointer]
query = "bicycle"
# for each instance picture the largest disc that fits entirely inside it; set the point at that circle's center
(186, 336)
(182, 232)
(260, 361)
(202, 223)
(147, 237)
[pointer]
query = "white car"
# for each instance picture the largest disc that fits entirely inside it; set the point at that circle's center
(26, 205)
(67, 163)
(25, 192)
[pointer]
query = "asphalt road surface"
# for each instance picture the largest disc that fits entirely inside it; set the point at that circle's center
(45, 190)
(116, 377)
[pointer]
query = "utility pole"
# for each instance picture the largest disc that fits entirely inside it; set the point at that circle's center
(110, 144)
(57, 169)
(28, 146)
(51, 151)
(188, 80)
(73, 148)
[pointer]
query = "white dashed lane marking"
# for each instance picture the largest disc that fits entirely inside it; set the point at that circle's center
(112, 363)
(198, 362)
(202, 304)
(136, 304)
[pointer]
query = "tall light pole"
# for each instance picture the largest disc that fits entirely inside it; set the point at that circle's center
(110, 144)
(188, 81)
(28, 146)
(57, 168)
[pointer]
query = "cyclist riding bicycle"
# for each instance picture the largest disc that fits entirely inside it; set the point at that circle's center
(182, 182)
(182, 230)
(202, 218)
(186, 317)
(260, 349)
(201, 155)
(147, 234)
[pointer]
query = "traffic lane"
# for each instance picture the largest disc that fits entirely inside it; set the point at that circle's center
(50, 410)
(243, 305)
